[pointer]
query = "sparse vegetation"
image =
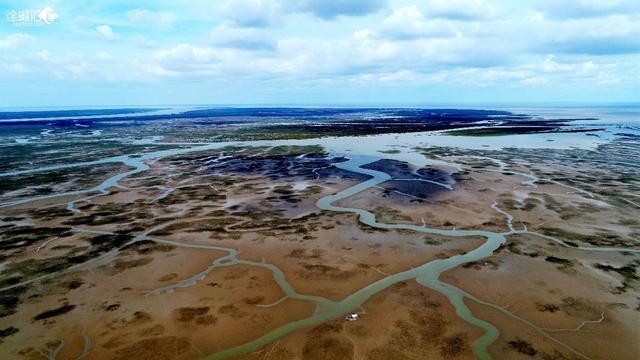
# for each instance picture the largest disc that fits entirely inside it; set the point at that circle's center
(523, 347)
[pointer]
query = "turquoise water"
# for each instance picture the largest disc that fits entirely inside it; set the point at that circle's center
(427, 275)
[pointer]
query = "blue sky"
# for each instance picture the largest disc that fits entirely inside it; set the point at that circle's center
(384, 52)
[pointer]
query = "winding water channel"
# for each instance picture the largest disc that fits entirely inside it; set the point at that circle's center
(427, 274)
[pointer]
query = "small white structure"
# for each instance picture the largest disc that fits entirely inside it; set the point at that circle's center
(352, 317)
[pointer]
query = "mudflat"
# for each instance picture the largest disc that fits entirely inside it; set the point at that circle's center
(181, 249)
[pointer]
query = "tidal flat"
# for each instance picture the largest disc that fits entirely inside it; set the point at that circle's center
(225, 237)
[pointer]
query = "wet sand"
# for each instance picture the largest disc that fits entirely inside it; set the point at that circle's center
(270, 219)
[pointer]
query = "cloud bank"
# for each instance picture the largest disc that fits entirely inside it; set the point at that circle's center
(247, 51)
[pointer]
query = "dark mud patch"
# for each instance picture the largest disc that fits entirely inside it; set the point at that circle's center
(384, 353)
(168, 277)
(321, 271)
(158, 348)
(72, 284)
(518, 130)
(552, 308)
(400, 170)
(146, 247)
(628, 273)
(388, 215)
(418, 190)
(600, 239)
(188, 314)
(423, 333)
(8, 332)
(111, 307)
(301, 253)
(54, 312)
(236, 273)
(416, 183)
(137, 318)
(571, 306)
(325, 342)
(21, 237)
(522, 347)
(9, 301)
(309, 166)
(579, 308)
(454, 346)
(122, 265)
(254, 300)
(232, 311)
(563, 264)
(198, 316)
(493, 264)
(155, 330)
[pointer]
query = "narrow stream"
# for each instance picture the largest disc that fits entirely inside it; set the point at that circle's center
(426, 275)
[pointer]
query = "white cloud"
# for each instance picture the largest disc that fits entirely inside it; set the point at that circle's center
(241, 38)
(190, 60)
(267, 13)
(17, 68)
(293, 42)
(107, 33)
(15, 40)
(408, 22)
(616, 34)
(253, 13)
(189, 53)
(148, 17)
(551, 71)
(577, 71)
(549, 65)
(397, 76)
(535, 81)
(78, 69)
(142, 42)
(586, 8)
(43, 55)
(501, 74)
(56, 59)
(462, 9)
(330, 9)
(104, 56)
